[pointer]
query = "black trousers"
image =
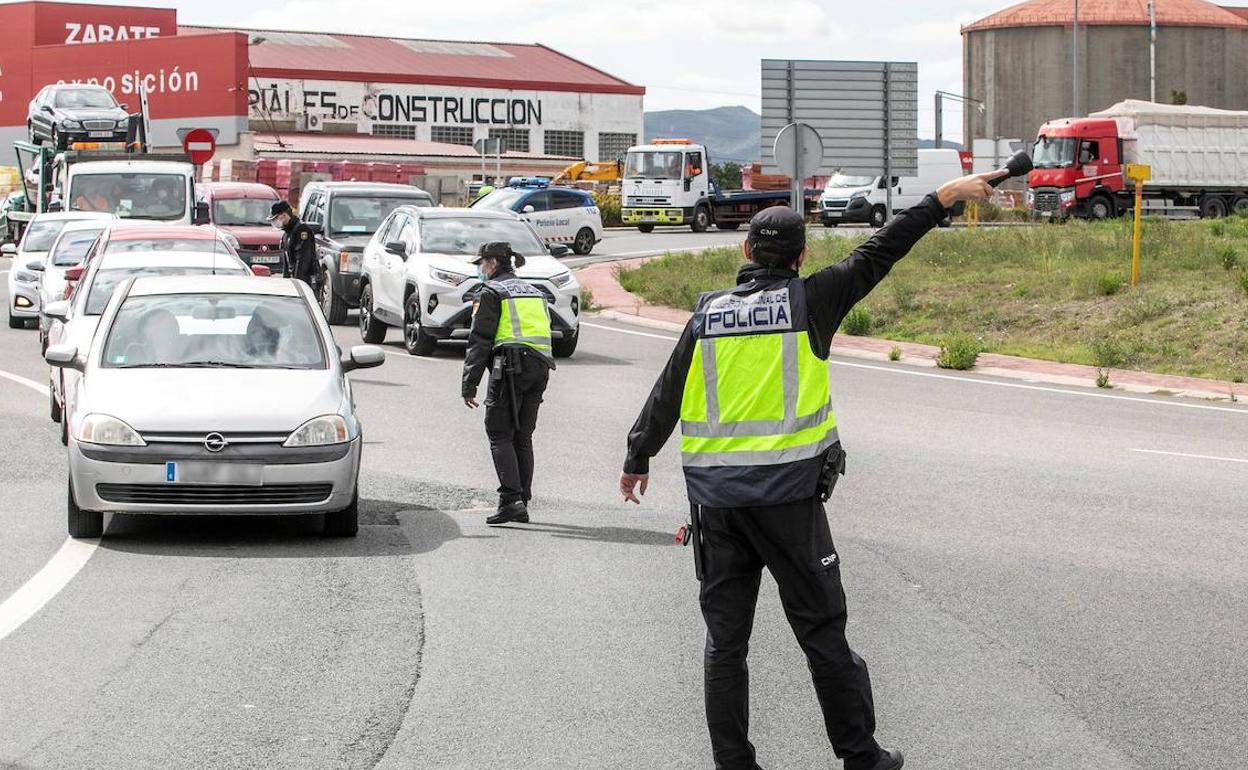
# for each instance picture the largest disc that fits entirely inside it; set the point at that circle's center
(511, 432)
(793, 542)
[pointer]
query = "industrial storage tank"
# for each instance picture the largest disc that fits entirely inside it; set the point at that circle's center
(1019, 64)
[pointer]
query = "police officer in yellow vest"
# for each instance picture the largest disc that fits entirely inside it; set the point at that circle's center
(511, 338)
(748, 382)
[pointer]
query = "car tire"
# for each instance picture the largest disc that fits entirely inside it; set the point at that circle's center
(56, 139)
(54, 408)
(646, 228)
(81, 523)
(332, 304)
(1101, 207)
(583, 243)
(701, 220)
(415, 339)
(879, 217)
(1212, 207)
(16, 323)
(565, 346)
(728, 226)
(372, 331)
(1240, 206)
(344, 523)
(30, 131)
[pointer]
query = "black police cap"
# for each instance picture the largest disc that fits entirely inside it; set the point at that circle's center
(500, 250)
(777, 236)
(279, 208)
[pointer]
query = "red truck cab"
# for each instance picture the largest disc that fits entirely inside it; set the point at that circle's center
(1078, 169)
(242, 209)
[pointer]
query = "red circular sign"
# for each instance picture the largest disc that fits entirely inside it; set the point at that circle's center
(200, 144)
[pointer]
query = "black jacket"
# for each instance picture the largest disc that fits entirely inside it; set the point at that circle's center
(299, 251)
(480, 355)
(830, 293)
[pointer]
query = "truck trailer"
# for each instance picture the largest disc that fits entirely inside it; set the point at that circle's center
(1198, 157)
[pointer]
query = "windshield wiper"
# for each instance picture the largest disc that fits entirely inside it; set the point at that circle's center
(218, 364)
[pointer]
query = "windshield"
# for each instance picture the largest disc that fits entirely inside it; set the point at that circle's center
(143, 245)
(653, 165)
(242, 211)
(465, 236)
(214, 331)
(73, 246)
(133, 195)
(106, 280)
(499, 199)
(40, 234)
(84, 98)
(362, 216)
(844, 180)
(1051, 152)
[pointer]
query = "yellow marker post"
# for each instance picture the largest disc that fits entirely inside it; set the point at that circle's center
(1138, 173)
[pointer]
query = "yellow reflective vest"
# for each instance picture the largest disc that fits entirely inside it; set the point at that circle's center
(524, 320)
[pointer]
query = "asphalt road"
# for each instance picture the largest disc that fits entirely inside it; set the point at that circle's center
(626, 243)
(1032, 587)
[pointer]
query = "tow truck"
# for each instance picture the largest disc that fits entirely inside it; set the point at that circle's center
(668, 182)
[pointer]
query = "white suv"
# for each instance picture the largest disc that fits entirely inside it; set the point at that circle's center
(417, 276)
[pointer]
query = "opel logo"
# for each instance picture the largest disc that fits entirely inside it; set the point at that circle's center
(215, 442)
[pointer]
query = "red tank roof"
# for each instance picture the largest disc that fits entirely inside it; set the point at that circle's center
(363, 58)
(1056, 13)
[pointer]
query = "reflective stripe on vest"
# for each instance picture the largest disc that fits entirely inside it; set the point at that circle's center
(755, 399)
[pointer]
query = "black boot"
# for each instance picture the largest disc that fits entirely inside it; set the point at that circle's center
(509, 512)
(890, 759)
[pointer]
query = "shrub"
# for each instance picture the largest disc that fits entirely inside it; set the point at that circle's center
(1107, 353)
(958, 351)
(1102, 378)
(1228, 256)
(1108, 284)
(587, 300)
(1243, 282)
(857, 321)
(609, 207)
(903, 295)
(1217, 228)
(894, 354)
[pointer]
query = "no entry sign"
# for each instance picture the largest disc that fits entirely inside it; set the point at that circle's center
(200, 144)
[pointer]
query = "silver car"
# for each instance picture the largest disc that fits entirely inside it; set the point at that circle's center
(164, 417)
(68, 252)
(23, 277)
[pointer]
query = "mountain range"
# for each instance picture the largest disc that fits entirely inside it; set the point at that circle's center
(730, 133)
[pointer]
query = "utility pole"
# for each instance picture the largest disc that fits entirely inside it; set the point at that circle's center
(940, 112)
(1074, 64)
(1152, 50)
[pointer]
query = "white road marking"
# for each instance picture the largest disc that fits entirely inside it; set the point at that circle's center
(46, 584)
(1195, 457)
(408, 357)
(976, 381)
(55, 575)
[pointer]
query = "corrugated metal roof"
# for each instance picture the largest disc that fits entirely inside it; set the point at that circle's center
(1051, 13)
(363, 144)
(325, 56)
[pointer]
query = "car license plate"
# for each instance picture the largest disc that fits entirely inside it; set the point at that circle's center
(100, 134)
(265, 259)
(200, 472)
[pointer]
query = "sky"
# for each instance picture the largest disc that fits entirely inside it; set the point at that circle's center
(689, 54)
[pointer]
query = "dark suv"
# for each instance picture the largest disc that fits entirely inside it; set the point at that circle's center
(62, 114)
(345, 216)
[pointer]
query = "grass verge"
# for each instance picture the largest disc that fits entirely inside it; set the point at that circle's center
(1055, 292)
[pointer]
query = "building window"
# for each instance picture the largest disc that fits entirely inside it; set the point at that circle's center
(396, 130)
(451, 134)
(614, 146)
(569, 144)
(514, 139)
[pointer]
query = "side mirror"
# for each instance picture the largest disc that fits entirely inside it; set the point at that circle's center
(261, 271)
(124, 106)
(54, 204)
(8, 250)
(558, 250)
(202, 216)
(362, 357)
(397, 248)
(314, 227)
(46, 108)
(63, 357)
(528, 209)
(35, 265)
(56, 310)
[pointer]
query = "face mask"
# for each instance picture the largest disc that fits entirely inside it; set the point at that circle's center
(480, 273)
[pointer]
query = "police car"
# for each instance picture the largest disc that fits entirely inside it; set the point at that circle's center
(559, 214)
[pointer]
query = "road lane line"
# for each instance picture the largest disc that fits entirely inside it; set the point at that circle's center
(46, 584)
(55, 575)
(976, 381)
(1195, 457)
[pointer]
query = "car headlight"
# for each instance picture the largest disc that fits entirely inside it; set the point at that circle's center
(319, 431)
(1068, 196)
(1031, 197)
(561, 280)
(22, 276)
(67, 123)
(859, 194)
(103, 429)
(446, 276)
(350, 261)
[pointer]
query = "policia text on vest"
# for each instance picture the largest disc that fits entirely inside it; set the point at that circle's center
(748, 383)
(511, 338)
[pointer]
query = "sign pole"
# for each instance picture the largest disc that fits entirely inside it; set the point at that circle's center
(888, 148)
(1135, 236)
(798, 200)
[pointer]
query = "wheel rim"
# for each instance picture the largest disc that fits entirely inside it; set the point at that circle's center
(411, 325)
(366, 310)
(703, 219)
(583, 240)
(1100, 210)
(327, 297)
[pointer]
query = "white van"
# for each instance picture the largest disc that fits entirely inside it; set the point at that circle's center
(849, 198)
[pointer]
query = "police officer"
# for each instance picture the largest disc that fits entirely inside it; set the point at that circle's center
(748, 382)
(298, 246)
(511, 338)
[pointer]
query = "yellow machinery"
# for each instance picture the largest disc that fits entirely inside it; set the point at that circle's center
(585, 171)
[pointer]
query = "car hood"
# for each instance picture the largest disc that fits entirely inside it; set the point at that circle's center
(254, 235)
(226, 400)
(349, 242)
(841, 193)
(539, 267)
(89, 113)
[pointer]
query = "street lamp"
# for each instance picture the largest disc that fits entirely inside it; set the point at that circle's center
(940, 112)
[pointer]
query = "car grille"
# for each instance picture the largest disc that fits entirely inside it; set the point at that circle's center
(99, 125)
(213, 494)
(835, 204)
(651, 200)
(1047, 200)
